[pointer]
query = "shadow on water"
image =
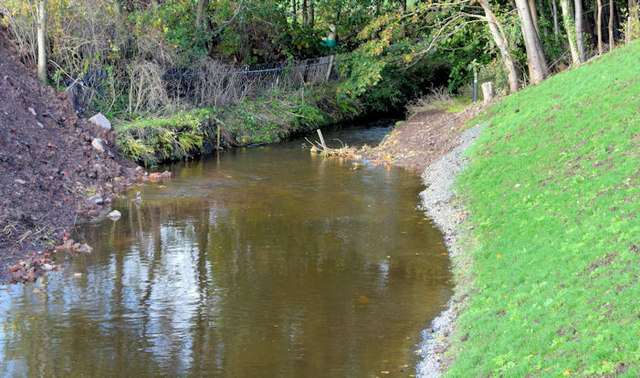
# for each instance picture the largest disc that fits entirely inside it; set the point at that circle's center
(258, 262)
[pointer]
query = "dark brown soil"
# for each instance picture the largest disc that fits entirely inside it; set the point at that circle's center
(421, 140)
(48, 168)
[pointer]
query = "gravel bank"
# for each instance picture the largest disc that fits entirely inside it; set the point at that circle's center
(438, 201)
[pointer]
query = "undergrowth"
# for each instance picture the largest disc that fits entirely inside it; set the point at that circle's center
(553, 191)
(270, 118)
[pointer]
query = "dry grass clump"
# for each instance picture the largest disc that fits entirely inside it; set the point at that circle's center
(439, 98)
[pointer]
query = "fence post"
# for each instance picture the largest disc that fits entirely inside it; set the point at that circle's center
(329, 68)
(218, 137)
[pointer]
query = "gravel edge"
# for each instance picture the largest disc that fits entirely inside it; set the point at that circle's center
(438, 203)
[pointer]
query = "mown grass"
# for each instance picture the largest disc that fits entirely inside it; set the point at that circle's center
(553, 192)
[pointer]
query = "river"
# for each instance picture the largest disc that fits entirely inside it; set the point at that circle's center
(258, 262)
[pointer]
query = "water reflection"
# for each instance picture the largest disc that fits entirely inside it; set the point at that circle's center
(264, 262)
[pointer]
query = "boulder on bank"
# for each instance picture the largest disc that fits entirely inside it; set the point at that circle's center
(100, 120)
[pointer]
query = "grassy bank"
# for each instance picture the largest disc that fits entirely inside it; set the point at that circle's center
(553, 192)
(271, 118)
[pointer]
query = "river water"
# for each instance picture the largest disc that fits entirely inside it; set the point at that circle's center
(258, 262)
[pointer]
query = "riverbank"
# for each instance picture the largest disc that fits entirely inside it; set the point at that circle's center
(55, 169)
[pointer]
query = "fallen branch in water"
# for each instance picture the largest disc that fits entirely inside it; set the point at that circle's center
(318, 148)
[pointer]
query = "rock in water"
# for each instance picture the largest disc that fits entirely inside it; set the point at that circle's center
(98, 144)
(100, 120)
(85, 248)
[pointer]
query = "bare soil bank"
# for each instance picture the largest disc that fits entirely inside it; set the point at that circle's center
(48, 168)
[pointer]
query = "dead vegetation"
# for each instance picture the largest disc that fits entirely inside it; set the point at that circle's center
(438, 98)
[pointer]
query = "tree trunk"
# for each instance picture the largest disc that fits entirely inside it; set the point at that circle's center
(202, 5)
(534, 15)
(499, 38)
(579, 37)
(305, 17)
(538, 69)
(312, 13)
(403, 5)
(598, 13)
(554, 10)
(42, 48)
(571, 32)
(612, 42)
(294, 5)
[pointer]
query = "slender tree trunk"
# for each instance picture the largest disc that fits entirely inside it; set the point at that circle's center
(571, 32)
(403, 5)
(202, 5)
(41, 35)
(612, 42)
(312, 13)
(538, 69)
(598, 13)
(305, 17)
(554, 11)
(534, 14)
(499, 38)
(579, 30)
(294, 5)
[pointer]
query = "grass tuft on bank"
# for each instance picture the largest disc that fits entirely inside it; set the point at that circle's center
(553, 193)
(270, 118)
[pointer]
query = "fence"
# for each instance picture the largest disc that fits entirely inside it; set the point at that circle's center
(209, 83)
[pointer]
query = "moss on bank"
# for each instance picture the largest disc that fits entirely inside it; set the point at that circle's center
(552, 192)
(271, 118)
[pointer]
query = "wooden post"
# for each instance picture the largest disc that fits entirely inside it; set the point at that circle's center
(324, 146)
(329, 68)
(218, 148)
(41, 37)
(487, 92)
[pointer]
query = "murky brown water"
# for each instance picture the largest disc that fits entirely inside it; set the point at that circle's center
(262, 262)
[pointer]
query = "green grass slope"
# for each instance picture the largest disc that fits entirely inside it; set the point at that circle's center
(553, 192)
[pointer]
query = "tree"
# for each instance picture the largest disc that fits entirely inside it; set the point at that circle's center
(42, 48)
(611, 16)
(534, 15)
(202, 5)
(501, 41)
(571, 32)
(598, 14)
(536, 60)
(579, 37)
(554, 11)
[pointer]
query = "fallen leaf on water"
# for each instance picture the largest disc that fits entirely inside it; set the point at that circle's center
(385, 372)
(363, 299)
